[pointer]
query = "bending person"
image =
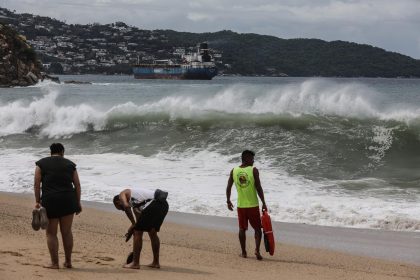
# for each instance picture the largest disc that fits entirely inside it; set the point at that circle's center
(56, 177)
(150, 209)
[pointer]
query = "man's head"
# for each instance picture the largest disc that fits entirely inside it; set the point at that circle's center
(57, 149)
(117, 202)
(248, 157)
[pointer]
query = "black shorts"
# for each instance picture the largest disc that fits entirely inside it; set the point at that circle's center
(60, 204)
(152, 216)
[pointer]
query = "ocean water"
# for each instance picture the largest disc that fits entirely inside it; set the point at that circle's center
(338, 152)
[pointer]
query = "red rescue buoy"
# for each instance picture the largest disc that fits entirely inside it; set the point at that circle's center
(268, 233)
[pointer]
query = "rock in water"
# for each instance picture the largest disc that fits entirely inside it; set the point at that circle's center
(19, 65)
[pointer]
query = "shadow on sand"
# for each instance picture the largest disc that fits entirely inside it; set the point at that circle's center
(171, 269)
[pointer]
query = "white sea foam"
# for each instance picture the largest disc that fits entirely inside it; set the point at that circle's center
(382, 140)
(196, 181)
(315, 97)
(45, 83)
(54, 121)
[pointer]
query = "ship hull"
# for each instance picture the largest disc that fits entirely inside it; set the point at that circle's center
(174, 72)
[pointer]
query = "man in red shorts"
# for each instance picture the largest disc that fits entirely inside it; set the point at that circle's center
(248, 185)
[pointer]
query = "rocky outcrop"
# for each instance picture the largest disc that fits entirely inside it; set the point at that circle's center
(77, 82)
(19, 65)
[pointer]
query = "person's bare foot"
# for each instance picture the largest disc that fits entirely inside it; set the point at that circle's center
(67, 265)
(131, 266)
(243, 255)
(51, 266)
(154, 265)
(258, 256)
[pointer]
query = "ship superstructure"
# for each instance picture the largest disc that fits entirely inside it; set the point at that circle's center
(196, 66)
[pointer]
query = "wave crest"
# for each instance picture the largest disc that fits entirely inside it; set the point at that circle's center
(307, 102)
(53, 121)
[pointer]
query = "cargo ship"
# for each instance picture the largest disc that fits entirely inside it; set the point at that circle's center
(196, 66)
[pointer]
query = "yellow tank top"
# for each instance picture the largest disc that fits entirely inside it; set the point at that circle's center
(245, 185)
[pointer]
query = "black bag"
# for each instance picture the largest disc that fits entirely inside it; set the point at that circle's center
(129, 258)
(160, 195)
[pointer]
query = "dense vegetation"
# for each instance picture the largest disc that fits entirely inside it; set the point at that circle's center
(253, 54)
(243, 54)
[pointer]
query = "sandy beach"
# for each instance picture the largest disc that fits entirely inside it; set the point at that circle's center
(187, 252)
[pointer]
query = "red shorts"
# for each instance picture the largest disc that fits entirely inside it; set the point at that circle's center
(249, 214)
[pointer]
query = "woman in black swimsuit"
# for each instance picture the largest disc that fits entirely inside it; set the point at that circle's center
(57, 177)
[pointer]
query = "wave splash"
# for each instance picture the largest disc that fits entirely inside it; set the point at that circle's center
(238, 104)
(53, 121)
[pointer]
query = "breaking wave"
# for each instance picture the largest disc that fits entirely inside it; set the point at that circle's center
(296, 106)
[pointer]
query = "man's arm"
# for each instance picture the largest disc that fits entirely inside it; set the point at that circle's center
(76, 182)
(259, 188)
(37, 186)
(229, 190)
(125, 196)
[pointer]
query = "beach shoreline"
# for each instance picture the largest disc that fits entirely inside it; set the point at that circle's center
(400, 246)
(188, 250)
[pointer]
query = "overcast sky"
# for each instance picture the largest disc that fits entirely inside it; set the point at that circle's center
(390, 24)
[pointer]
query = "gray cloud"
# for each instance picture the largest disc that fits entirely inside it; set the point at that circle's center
(392, 25)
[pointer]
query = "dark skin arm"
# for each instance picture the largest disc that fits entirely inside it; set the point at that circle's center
(229, 191)
(125, 196)
(260, 191)
(76, 183)
(37, 187)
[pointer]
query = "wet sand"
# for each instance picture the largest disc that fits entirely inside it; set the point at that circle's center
(193, 247)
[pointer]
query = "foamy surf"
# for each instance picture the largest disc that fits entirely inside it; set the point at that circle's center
(330, 153)
(197, 181)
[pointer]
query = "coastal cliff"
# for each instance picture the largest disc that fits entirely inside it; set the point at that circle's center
(19, 65)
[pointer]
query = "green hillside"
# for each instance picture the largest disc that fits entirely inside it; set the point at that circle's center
(113, 48)
(253, 54)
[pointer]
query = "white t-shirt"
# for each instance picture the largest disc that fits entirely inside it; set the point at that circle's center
(139, 196)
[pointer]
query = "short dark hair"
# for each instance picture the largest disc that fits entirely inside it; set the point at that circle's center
(56, 148)
(116, 198)
(246, 154)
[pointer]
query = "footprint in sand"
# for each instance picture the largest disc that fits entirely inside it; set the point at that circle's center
(97, 259)
(15, 254)
(106, 259)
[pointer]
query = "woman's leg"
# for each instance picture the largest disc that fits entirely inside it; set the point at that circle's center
(52, 242)
(67, 235)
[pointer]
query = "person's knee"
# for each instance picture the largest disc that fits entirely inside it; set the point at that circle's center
(138, 233)
(65, 231)
(153, 234)
(51, 233)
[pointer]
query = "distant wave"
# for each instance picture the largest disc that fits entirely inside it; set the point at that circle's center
(296, 105)
(45, 84)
